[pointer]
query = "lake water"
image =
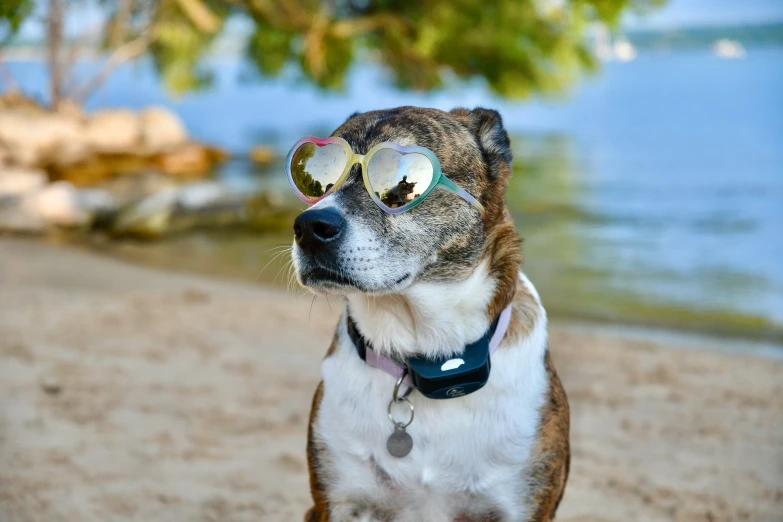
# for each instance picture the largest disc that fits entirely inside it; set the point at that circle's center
(651, 194)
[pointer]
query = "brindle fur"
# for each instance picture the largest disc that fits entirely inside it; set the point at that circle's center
(551, 459)
(319, 511)
(474, 151)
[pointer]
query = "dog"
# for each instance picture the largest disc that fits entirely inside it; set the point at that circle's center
(400, 194)
(427, 283)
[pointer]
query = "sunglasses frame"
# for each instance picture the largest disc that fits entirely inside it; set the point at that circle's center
(438, 178)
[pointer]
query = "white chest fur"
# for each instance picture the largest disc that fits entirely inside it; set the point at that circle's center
(469, 453)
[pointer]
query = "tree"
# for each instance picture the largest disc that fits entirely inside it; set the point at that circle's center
(131, 28)
(518, 46)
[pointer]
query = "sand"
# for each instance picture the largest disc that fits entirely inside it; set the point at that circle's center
(135, 394)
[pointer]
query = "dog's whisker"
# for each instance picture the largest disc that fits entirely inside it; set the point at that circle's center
(274, 251)
(291, 278)
(285, 265)
(273, 247)
(274, 257)
(291, 271)
(310, 315)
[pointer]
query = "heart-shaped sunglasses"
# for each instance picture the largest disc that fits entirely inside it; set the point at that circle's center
(397, 178)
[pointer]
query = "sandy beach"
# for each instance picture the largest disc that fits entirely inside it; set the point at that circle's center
(132, 394)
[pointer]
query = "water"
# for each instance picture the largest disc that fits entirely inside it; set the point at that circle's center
(652, 194)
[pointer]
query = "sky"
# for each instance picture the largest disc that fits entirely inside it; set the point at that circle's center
(676, 13)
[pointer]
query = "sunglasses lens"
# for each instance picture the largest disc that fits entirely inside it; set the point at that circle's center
(399, 179)
(314, 169)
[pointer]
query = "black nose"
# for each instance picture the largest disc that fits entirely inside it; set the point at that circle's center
(317, 227)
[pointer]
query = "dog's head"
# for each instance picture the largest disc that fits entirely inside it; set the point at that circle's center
(346, 243)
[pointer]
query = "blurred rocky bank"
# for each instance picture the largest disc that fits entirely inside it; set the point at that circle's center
(117, 172)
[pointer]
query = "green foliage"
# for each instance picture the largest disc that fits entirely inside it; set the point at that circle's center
(269, 47)
(517, 46)
(12, 14)
(328, 69)
(180, 45)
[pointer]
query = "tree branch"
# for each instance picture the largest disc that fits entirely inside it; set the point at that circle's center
(354, 26)
(200, 15)
(70, 59)
(286, 15)
(121, 55)
(55, 40)
(314, 45)
(119, 24)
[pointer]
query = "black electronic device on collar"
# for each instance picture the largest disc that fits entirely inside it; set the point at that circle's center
(444, 377)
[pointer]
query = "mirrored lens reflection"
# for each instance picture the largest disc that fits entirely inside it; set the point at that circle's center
(316, 169)
(399, 179)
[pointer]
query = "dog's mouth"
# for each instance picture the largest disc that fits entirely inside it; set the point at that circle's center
(320, 276)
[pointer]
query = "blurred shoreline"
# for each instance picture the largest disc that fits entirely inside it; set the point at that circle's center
(682, 339)
(271, 278)
(158, 396)
(240, 257)
(191, 255)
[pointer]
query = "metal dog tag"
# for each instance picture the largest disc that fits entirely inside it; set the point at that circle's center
(399, 443)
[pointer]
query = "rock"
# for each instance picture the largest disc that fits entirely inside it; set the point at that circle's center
(16, 181)
(267, 213)
(38, 139)
(191, 159)
(100, 167)
(57, 204)
(14, 217)
(71, 109)
(50, 385)
(116, 131)
(96, 200)
(216, 154)
(149, 218)
(202, 205)
(132, 188)
(187, 161)
(201, 195)
(161, 130)
(262, 154)
(17, 100)
(227, 213)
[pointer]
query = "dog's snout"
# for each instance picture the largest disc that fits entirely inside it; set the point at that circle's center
(317, 227)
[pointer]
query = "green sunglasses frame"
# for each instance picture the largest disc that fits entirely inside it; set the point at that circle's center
(438, 178)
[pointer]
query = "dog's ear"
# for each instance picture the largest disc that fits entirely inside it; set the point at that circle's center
(487, 126)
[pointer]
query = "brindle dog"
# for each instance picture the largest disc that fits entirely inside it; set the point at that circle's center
(429, 281)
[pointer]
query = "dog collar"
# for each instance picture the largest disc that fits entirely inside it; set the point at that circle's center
(444, 377)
